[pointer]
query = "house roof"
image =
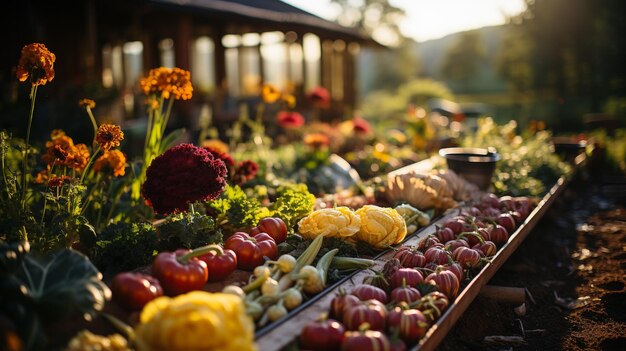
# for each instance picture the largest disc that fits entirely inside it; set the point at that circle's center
(267, 11)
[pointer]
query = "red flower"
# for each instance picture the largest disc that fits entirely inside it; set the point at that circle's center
(319, 97)
(361, 126)
(182, 175)
(246, 170)
(289, 119)
(224, 156)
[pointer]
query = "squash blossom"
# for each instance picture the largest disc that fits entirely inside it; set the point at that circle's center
(380, 226)
(338, 222)
(198, 320)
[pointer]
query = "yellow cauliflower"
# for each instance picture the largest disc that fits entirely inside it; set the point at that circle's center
(196, 321)
(338, 222)
(380, 226)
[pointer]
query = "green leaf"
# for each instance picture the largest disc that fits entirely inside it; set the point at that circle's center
(64, 284)
(170, 139)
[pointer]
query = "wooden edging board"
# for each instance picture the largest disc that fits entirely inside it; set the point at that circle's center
(282, 335)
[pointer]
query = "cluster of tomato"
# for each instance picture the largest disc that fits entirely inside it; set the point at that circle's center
(181, 271)
(405, 305)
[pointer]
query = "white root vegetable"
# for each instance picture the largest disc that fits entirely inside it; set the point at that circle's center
(292, 298)
(270, 288)
(234, 290)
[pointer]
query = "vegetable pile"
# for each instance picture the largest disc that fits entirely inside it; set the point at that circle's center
(395, 307)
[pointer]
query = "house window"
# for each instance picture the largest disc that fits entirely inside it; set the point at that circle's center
(295, 64)
(275, 55)
(203, 65)
(133, 62)
(112, 66)
(166, 53)
(312, 55)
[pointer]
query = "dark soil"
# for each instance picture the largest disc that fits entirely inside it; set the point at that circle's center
(577, 251)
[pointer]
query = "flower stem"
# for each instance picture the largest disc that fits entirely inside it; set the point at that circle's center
(33, 95)
(93, 157)
(95, 126)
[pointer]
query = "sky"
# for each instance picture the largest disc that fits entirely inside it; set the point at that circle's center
(433, 19)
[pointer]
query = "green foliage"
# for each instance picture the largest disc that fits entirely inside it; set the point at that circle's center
(613, 147)
(464, 57)
(36, 293)
(239, 209)
(124, 246)
(528, 165)
(293, 203)
(188, 230)
(391, 106)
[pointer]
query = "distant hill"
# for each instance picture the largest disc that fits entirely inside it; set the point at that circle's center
(433, 52)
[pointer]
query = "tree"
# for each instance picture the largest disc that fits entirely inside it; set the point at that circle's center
(378, 18)
(464, 58)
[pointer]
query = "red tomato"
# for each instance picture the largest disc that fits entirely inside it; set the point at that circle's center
(507, 221)
(221, 263)
(322, 335)
(368, 340)
(368, 292)
(410, 257)
(251, 251)
(411, 324)
(179, 271)
(457, 269)
(456, 225)
(456, 243)
(372, 312)
(274, 227)
(133, 290)
(433, 305)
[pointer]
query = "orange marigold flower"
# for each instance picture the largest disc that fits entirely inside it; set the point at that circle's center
(58, 149)
(270, 94)
(42, 176)
(109, 136)
(216, 145)
(86, 103)
(169, 82)
(113, 160)
(316, 140)
(37, 63)
(58, 181)
(56, 133)
(78, 157)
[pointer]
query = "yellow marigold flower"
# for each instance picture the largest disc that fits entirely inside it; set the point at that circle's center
(109, 136)
(114, 160)
(216, 145)
(78, 157)
(58, 149)
(183, 322)
(290, 100)
(270, 94)
(168, 82)
(37, 63)
(380, 226)
(316, 140)
(338, 222)
(86, 103)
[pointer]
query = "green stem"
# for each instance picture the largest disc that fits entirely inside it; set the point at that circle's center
(95, 126)
(170, 103)
(199, 252)
(93, 157)
(33, 95)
